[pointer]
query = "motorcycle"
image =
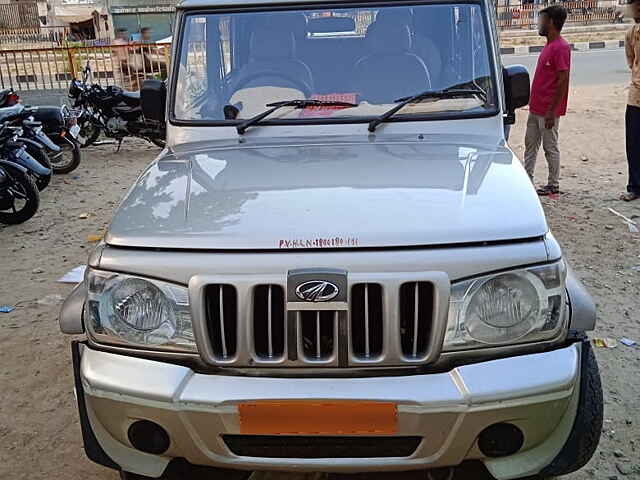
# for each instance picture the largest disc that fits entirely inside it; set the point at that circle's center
(19, 196)
(113, 111)
(36, 160)
(54, 128)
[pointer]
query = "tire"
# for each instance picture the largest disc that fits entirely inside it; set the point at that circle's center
(587, 426)
(68, 159)
(40, 156)
(25, 185)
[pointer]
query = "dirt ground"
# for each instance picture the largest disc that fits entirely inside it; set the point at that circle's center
(39, 431)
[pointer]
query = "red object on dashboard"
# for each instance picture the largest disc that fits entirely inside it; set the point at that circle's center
(311, 112)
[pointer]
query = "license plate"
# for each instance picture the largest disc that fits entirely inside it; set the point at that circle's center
(74, 130)
(318, 418)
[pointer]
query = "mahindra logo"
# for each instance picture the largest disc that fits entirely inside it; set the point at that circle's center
(317, 291)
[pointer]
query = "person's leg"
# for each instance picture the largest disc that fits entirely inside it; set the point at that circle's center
(552, 153)
(633, 150)
(532, 141)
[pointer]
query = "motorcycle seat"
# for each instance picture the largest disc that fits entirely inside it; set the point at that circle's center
(10, 113)
(128, 111)
(130, 98)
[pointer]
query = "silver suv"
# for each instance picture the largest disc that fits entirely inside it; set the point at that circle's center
(337, 264)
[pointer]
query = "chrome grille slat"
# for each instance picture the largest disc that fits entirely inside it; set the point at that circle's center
(416, 307)
(268, 317)
(367, 346)
(318, 345)
(269, 324)
(223, 337)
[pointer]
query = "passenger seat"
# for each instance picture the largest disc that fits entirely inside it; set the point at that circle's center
(390, 70)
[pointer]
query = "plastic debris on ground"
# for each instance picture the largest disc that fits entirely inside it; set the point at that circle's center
(6, 309)
(94, 238)
(75, 275)
(605, 342)
(633, 226)
(628, 342)
(52, 299)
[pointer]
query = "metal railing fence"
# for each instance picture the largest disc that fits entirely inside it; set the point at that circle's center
(53, 68)
(585, 12)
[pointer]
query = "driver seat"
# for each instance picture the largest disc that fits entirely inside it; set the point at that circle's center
(272, 56)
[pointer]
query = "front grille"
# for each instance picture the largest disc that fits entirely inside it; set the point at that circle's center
(269, 321)
(389, 322)
(318, 334)
(366, 320)
(285, 446)
(222, 320)
(416, 309)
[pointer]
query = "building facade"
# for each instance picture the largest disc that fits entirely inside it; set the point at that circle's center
(134, 15)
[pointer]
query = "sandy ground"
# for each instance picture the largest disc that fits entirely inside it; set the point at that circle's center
(39, 431)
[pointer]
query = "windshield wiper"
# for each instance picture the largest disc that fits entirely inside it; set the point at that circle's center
(242, 127)
(447, 93)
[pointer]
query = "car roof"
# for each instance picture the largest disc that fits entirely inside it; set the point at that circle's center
(196, 4)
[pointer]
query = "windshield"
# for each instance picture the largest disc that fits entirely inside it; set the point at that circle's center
(232, 65)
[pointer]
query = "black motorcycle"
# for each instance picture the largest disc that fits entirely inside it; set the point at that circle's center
(36, 161)
(19, 197)
(113, 111)
(59, 124)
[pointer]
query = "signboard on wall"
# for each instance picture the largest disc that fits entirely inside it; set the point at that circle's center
(154, 9)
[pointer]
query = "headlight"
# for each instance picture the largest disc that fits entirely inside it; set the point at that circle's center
(138, 312)
(518, 306)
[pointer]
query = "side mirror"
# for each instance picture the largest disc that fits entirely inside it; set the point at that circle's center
(517, 90)
(153, 99)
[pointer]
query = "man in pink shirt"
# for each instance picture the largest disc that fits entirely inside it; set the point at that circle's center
(549, 95)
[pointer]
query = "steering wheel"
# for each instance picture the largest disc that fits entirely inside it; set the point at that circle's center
(296, 83)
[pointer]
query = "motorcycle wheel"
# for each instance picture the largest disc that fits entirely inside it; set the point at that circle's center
(23, 190)
(90, 133)
(40, 156)
(67, 159)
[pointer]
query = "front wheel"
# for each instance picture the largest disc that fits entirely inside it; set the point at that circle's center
(67, 159)
(19, 198)
(587, 426)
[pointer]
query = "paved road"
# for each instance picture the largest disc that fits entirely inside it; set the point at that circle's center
(596, 67)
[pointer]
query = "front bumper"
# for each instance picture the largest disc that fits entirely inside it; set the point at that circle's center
(538, 393)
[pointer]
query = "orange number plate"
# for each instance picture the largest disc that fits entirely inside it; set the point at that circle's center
(318, 418)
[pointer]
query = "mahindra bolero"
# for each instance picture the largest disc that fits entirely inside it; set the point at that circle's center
(337, 264)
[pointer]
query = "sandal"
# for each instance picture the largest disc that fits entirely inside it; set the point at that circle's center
(548, 190)
(629, 196)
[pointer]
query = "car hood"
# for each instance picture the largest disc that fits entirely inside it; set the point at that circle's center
(341, 194)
